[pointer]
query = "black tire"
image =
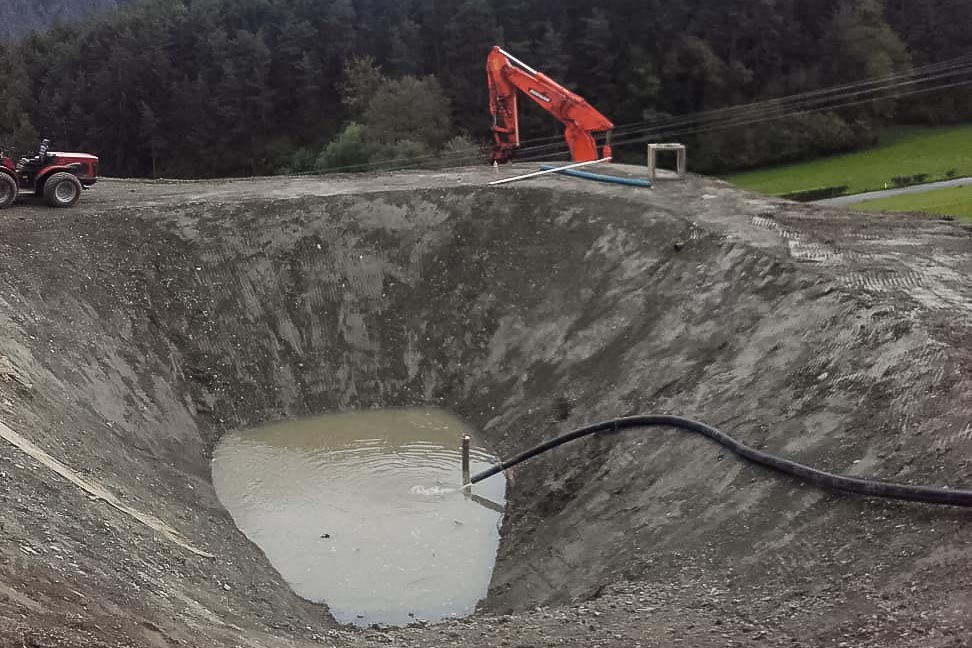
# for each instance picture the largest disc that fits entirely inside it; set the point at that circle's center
(62, 189)
(8, 190)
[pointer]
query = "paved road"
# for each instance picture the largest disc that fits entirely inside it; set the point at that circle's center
(846, 201)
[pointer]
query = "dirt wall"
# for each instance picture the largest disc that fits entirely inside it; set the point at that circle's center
(135, 336)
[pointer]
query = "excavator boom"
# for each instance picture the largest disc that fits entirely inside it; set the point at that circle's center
(508, 75)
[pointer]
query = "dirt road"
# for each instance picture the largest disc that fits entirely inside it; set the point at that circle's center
(156, 316)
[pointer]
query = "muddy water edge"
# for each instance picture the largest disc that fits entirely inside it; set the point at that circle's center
(363, 511)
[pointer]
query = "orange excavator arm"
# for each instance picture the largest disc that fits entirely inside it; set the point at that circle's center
(507, 75)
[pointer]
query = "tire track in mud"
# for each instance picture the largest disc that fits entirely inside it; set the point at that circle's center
(803, 249)
(887, 266)
(871, 262)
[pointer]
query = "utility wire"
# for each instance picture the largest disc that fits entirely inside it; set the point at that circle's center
(962, 61)
(730, 117)
(690, 127)
(769, 111)
(778, 106)
(957, 66)
(806, 111)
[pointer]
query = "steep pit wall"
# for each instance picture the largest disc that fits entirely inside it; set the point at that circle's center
(136, 336)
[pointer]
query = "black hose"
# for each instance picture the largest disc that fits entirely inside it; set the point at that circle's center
(869, 487)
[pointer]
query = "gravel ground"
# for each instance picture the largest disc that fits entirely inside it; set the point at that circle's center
(141, 325)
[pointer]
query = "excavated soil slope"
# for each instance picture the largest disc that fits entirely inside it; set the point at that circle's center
(139, 327)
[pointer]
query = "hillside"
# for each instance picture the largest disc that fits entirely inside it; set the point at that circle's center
(244, 87)
(20, 17)
(158, 316)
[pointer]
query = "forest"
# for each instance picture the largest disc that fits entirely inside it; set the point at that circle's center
(20, 17)
(204, 88)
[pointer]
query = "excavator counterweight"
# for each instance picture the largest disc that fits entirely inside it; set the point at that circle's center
(507, 75)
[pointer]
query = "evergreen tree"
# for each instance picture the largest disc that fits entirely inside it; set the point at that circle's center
(227, 87)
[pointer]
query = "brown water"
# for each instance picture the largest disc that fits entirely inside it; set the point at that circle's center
(363, 511)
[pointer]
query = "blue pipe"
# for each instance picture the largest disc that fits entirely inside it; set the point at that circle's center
(600, 177)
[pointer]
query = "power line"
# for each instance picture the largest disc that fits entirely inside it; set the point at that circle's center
(721, 126)
(653, 134)
(802, 100)
(826, 99)
(961, 61)
(691, 125)
(788, 105)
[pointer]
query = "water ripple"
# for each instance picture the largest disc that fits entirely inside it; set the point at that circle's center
(365, 512)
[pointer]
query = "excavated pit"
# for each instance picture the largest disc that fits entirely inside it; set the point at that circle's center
(135, 336)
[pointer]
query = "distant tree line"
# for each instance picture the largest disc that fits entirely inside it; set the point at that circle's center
(19, 17)
(196, 88)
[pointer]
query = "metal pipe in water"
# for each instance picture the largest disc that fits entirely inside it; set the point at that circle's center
(465, 459)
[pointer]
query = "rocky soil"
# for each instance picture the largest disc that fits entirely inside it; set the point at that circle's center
(138, 327)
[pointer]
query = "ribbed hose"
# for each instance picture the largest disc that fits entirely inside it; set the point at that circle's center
(869, 487)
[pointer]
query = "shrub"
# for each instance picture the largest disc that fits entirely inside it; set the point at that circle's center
(820, 193)
(462, 150)
(303, 159)
(403, 153)
(905, 181)
(348, 149)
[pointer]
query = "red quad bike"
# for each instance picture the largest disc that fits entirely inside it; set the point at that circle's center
(58, 177)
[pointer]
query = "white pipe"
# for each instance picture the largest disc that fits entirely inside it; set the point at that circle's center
(96, 490)
(519, 62)
(545, 172)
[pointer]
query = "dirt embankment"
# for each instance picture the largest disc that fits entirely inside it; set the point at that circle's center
(141, 326)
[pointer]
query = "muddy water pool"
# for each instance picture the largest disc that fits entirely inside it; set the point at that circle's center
(364, 512)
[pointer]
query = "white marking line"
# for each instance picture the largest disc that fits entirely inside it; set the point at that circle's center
(96, 490)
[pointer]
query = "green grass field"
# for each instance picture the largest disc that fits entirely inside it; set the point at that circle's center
(955, 201)
(903, 152)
